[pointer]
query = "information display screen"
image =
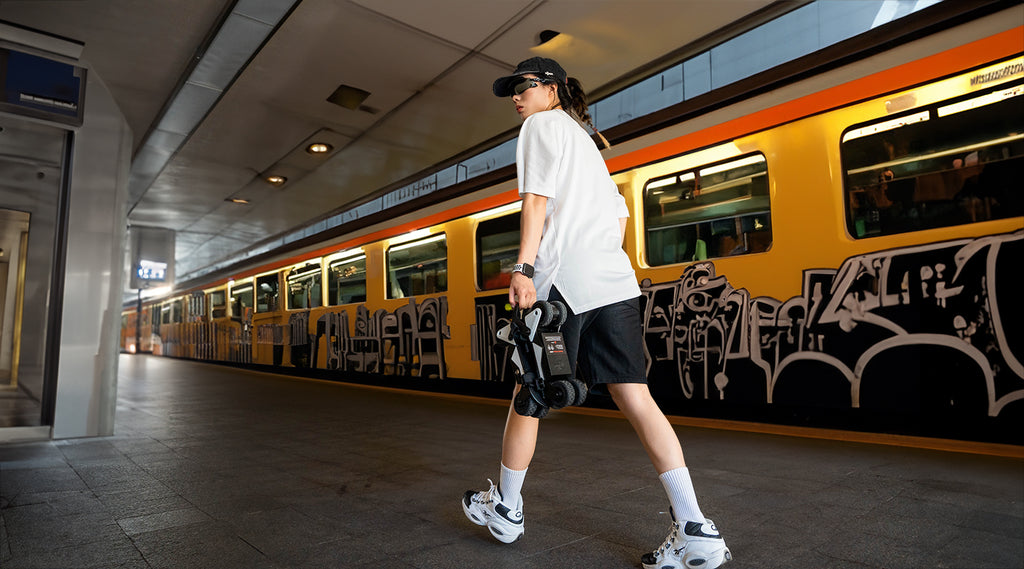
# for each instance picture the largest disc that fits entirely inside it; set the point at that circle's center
(152, 271)
(39, 87)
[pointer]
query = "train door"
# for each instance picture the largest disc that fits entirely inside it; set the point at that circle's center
(33, 159)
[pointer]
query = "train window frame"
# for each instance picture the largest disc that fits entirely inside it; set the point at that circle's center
(313, 294)
(486, 276)
(940, 180)
(337, 286)
(723, 226)
(440, 277)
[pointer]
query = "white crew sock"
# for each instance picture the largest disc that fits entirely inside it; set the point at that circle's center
(679, 488)
(511, 485)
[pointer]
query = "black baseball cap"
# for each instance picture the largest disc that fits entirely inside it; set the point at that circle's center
(540, 66)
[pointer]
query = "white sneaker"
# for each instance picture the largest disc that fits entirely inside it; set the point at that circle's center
(690, 545)
(487, 509)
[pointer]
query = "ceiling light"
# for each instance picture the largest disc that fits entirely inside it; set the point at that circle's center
(319, 148)
(237, 201)
(276, 180)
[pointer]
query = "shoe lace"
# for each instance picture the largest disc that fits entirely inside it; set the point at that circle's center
(486, 497)
(669, 541)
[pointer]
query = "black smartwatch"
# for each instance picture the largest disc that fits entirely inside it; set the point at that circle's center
(525, 268)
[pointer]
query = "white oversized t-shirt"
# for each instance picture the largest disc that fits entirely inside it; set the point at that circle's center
(581, 248)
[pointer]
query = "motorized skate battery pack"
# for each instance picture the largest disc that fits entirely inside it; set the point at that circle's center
(554, 352)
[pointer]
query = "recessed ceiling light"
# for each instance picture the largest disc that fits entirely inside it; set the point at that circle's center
(276, 180)
(319, 148)
(237, 201)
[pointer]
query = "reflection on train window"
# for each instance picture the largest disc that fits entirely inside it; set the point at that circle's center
(218, 304)
(713, 211)
(346, 280)
(497, 244)
(241, 298)
(304, 289)
(266, 293)
(953, 163)
(420, 267)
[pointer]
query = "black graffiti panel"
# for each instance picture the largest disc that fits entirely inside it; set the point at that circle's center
(493, 357)
(931, 333)
(407, 342)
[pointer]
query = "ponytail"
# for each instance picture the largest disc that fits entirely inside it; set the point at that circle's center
(574, 102)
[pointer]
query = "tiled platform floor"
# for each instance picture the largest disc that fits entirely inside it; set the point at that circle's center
(212, 467)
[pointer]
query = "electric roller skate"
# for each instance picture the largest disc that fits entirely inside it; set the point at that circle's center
(542, 365)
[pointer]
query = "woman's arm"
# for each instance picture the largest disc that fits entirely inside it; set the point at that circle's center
(521, 291)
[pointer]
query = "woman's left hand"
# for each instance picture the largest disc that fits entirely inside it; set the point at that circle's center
(521, 292)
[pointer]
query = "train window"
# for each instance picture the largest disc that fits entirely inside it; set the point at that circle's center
(304, 289)
(218, 304)
(196, 306)
(419, 267)
(497, 244)
(954, 163)
(713, 211)
(154, 318)
(266, 293)
(241, 298)
(176, 316)
(346, 280)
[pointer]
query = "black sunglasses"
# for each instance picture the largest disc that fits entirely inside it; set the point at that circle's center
(527, 83)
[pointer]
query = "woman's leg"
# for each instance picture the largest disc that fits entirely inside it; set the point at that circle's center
(500, 507)
(655, 432)
(662, 445)
(520, 438)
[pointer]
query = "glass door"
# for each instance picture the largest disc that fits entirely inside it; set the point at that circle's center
(32, 158)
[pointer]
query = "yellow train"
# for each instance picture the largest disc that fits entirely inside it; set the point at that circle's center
(838, 252)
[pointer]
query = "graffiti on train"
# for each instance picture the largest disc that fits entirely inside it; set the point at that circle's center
(932, 328)
(408, 341)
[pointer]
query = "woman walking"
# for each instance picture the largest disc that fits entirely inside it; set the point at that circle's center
(570, 249)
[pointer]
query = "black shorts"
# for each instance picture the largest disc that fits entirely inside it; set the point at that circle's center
(605, 343)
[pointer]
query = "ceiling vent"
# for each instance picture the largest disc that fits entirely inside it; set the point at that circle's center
(350, 98)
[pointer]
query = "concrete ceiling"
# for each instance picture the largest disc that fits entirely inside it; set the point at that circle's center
(427, 64)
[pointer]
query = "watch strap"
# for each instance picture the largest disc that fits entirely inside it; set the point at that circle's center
(525, 268)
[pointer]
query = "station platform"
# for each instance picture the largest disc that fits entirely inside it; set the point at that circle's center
(212, 466)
